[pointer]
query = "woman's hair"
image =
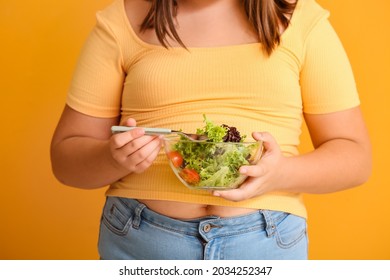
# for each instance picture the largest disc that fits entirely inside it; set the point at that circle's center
(266, 17)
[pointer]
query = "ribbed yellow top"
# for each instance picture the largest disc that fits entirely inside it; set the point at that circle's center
(118, 73)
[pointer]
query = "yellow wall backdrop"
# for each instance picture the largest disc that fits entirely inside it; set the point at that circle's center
(42, 219)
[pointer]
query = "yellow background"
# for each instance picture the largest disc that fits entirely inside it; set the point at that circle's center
(42, 219)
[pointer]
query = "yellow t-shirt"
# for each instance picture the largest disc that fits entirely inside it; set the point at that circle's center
(119, 74)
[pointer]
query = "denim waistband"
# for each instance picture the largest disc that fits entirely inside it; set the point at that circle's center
(209, 226)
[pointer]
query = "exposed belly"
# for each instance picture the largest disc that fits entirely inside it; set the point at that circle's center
(181, 210)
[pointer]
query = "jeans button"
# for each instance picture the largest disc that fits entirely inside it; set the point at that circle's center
(206, 228)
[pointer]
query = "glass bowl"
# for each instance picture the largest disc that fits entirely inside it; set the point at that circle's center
(210, 165)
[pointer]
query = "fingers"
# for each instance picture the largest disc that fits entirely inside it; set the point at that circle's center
(260, 176)
(133, 150)
(121, 139)
(244, 192)
(232, 195)
(253, 170)
(269, 141)
(145, 162)
(271, 150)
(130, 122)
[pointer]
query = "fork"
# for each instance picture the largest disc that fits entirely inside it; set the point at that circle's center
(156, 131)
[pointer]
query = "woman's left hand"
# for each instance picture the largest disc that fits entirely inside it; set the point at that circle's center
(264, 176)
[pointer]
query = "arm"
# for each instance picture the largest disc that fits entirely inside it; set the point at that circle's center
(342, 148)
(84, 154)
(341, 159)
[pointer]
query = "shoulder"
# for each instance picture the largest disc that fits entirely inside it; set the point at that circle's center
(113, 14)
(307, 17)
(124, 17)
(120, 19)
(308, 14)
(122, 13)
(136, 10)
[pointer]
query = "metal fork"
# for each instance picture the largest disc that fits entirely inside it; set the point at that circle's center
(156, 131)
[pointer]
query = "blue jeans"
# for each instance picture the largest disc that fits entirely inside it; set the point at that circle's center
(129, 230)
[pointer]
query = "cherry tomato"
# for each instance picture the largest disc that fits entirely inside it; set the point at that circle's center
(190, 175)
(176, 158)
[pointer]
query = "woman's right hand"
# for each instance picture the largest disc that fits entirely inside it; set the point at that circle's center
(133, 150)
(85, 154)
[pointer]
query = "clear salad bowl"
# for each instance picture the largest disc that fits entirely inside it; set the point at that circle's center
(210, 165)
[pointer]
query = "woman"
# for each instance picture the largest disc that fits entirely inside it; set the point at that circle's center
(261, 66)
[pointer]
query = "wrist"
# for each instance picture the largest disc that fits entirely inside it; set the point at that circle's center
(287, 174)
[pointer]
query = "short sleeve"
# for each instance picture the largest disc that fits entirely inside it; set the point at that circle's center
(326, 79)
(96, 87)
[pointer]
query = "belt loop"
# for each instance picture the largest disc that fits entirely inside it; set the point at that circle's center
(137, 215)
(269, 223)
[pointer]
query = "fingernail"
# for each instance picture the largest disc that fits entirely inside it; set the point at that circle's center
(243, 170)
(216, 194)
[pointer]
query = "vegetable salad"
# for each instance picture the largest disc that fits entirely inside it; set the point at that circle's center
(213, 164)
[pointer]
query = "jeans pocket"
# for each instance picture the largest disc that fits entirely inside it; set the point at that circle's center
(290, 230)
(117, 216)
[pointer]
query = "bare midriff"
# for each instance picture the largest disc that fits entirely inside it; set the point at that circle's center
(182, 210)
